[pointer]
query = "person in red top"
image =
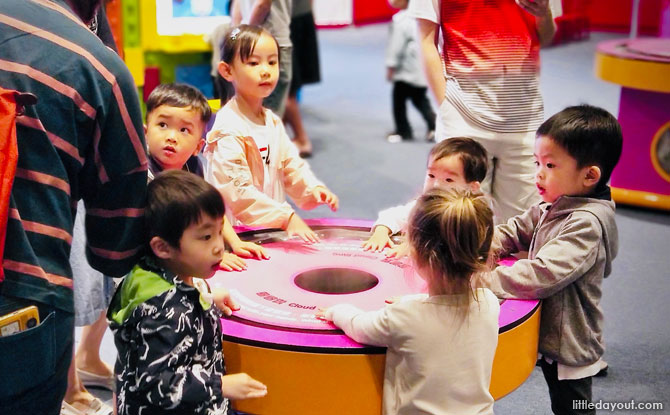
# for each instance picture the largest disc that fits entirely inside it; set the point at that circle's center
(483, 70)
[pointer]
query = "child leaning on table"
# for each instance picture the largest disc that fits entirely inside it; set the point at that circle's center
(571, 239)
(177, 116)
(165, 319)
(455, 162)
(440, 345)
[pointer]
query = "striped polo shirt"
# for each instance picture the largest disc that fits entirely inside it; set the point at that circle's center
(83, 139)
(491, 59)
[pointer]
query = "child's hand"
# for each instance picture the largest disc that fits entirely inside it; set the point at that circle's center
(389, 73)
(249, 250)
(398, 251)
(379, 240)
(393, 300)
(324, 196)
(321, 314)
(298, 227)
(231, 262)
(223, 301)
(242, 386)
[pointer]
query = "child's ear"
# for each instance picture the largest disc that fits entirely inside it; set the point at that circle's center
(161, 248)
(145, 129)
(592, 176)
(475, 186)
(199, 147)
(225, 71)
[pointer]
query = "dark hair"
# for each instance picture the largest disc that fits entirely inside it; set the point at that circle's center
(450, 232)
(176, 199)
(180, 96)
(242, 40)
(591, 135)
(472, 155)
(86, 9)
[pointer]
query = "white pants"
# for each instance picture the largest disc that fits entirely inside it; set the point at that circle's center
(510, 179)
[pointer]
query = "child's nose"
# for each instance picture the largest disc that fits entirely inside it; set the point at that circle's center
(219, 246)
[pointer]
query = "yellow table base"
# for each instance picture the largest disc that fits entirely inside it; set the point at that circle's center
(336, 384)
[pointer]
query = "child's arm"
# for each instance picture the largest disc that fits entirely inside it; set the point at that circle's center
(230, 173)
(239, 247)
(299, 181)
(394, 49)
(399, 251)
(242, 386)
(223, 301)
(516, 234)
(380, 239)
(389, 222)
(372, 327)
(558, 263)
(298, 227)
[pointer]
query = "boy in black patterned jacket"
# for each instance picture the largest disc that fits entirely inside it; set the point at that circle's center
(166, 329)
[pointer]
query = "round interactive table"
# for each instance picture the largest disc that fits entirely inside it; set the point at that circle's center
(308, 365)
(642, 68)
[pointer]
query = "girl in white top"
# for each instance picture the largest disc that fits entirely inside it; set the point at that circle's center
(251, 159)
(440, 345)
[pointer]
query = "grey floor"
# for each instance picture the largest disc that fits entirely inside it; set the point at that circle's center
(348, 115)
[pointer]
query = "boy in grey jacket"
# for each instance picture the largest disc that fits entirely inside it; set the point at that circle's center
(571, 239)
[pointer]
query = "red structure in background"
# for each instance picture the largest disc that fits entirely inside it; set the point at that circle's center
(615, 15)
(372, 11)
(115, 18)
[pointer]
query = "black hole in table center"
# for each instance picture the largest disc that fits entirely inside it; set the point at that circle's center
(336, 281)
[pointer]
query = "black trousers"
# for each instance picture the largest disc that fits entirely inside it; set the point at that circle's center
(403, 91)
(569, 396)
(34, 363)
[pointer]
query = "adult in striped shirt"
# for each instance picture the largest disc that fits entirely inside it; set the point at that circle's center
(83, 139)
(484, 71)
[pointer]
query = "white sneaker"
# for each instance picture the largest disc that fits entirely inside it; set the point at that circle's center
(430, 135)
(394, 138)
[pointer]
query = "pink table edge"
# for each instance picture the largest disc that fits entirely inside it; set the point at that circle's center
(512, 313)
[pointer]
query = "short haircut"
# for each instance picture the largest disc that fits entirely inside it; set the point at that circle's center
(472, 155)
(591, 135)
(180, 96)
(241, 40)
(176, 199)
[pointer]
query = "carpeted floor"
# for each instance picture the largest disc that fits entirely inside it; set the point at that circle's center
(348, 116)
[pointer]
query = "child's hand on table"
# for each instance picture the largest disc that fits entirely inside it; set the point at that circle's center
(398, 251)
(321, 314)
(246, 249)
(379, 240)
(242, 386)
(231, 262)
(223, 301)
(298, 227)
